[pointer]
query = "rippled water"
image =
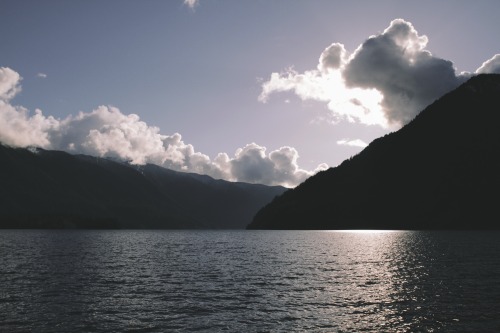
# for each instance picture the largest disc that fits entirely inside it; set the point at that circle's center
(249, 281)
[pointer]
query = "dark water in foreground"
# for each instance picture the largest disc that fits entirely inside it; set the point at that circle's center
(249, 281)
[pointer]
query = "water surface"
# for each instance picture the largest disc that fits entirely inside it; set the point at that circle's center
(249, 281)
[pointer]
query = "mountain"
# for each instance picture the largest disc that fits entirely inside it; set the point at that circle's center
(440, 171)
(54, 189)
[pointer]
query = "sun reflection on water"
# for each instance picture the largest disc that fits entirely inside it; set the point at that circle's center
(364, 231)
(286, 281)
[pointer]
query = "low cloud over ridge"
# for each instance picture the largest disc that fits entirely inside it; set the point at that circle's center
(107, 132)
(386, 81)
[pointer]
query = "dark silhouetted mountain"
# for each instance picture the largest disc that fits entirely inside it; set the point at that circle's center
(53, 189)
(440, 171)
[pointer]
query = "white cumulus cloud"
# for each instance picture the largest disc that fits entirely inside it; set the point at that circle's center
(490, 66)
(107, 132)
(252, 164)
(9, 83)
(386, 81)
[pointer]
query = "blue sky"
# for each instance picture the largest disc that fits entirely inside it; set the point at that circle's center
(199, 71)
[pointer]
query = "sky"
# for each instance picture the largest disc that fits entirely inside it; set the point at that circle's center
(258, 91)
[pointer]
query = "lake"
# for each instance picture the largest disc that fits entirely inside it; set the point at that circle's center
(249, 281)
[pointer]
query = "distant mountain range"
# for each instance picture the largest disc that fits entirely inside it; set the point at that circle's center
(53, 189)
(440, 171)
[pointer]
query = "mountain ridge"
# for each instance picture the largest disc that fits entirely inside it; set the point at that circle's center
(54, 189)
(436, 172)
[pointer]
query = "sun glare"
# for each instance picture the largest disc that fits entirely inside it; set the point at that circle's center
(356, 104)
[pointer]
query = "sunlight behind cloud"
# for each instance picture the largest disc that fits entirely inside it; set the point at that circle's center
(386, 81)
(351, 104)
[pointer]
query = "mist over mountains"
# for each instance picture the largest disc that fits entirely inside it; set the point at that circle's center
(440, 171)
(54, 189)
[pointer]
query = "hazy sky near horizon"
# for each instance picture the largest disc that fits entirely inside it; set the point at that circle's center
(205, 85)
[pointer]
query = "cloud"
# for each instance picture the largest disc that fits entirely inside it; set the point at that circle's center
(107, 132)
(386, 81)
(351, 104)
(42, 75)
(397, 64)
(191, 3)
(20, 129)
(9, 83)
(333, 57)
(17, 127)
(252, 164)
(352, 143)
(490, 66)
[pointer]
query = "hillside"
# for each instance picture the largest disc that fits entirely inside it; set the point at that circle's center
(53, 189)
(440, 171)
